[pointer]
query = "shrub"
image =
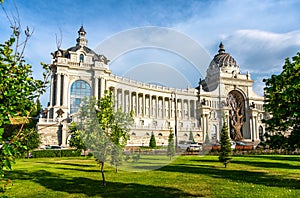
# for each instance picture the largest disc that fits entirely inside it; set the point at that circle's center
(152, 143)
(56, 153)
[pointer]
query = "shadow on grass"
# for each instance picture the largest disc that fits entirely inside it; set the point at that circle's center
(267, 164)
(261, 178)
(93, 187)
(67, 164)
(295, 158)
(283, 164)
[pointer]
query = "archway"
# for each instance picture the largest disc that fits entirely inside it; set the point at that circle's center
(237, 114)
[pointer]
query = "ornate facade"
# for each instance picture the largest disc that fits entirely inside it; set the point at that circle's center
(225, 93)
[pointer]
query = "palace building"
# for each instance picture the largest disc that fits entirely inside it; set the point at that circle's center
(224, 94)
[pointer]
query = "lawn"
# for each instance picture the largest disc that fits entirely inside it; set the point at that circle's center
(186, 176)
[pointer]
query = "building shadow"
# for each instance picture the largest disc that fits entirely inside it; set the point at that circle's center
(93, 187)
(257, 177)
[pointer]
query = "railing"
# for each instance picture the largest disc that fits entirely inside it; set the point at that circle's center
(152, 86)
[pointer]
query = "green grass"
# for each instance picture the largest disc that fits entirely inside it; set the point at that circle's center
(186, 176)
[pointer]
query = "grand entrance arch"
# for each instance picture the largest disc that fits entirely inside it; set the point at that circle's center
(237, 114)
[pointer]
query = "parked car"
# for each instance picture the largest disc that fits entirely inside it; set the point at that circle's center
(233, 144)
(240, 143)
(54, 147)
(189, 146)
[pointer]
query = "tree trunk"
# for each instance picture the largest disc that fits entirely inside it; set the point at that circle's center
(237, 123)
(237, 132)
(238, 136)
(102, 172)
(116, 168)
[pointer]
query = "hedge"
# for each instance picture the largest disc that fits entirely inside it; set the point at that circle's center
(56, 153)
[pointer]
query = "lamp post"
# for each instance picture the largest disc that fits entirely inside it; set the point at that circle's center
(173, 95)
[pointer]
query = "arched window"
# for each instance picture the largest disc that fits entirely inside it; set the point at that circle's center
(81, 58)
(79, 90)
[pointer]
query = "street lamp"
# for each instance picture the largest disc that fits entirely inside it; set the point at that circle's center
(173, 95)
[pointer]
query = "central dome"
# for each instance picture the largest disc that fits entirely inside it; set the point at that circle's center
(224, 61)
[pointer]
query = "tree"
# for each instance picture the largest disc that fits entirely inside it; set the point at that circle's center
(19, 91)
(152, 142)
(171, 145)
(236, 113)
(102, 130)
(282, 101)
(119, 135)
(191, 137)
(29, 139)
(76, 140)
(92, 134)
(225, 151)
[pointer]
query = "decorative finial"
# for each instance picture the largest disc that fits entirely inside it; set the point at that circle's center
(81, 40)
(81, 30)
(221, 48)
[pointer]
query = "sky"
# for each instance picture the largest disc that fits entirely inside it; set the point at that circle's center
(161, 41)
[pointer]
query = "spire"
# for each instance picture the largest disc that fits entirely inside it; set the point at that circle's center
(221, 48)
(81, 40)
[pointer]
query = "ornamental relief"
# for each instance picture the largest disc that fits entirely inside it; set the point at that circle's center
(228, 88)
(244, 89)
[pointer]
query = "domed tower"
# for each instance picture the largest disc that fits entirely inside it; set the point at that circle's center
(222, 63)
(227, 92)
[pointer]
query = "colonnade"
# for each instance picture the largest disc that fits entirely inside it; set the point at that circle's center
(153, 106)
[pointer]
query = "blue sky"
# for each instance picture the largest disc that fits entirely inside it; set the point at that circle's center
(258, 34)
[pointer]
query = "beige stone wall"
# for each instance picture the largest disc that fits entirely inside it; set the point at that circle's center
(49, 133)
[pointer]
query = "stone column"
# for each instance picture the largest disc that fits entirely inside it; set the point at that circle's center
(207, 125)
(51, 90)
(96, 87)
(64, 130)
(129, 101)
(58, 90)
(150, 106)
(250, 127)
(253, 131)
(102, 87)
(189, 109)
(144, 105)
(156, 107)
(115, 95)
(66, 92)
(255, 128)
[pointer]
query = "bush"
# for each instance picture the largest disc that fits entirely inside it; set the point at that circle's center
(152, 143)
(56, 153)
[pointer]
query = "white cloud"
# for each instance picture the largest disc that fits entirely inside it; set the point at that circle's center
(262, 51)
(258, 34)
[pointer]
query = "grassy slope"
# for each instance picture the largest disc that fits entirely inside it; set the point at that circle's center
(186, 176)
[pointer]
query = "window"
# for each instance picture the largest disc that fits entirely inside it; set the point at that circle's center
(213, 133)
(81, 58)
(79, 90)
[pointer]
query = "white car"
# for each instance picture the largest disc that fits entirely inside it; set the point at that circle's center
(189, 146)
